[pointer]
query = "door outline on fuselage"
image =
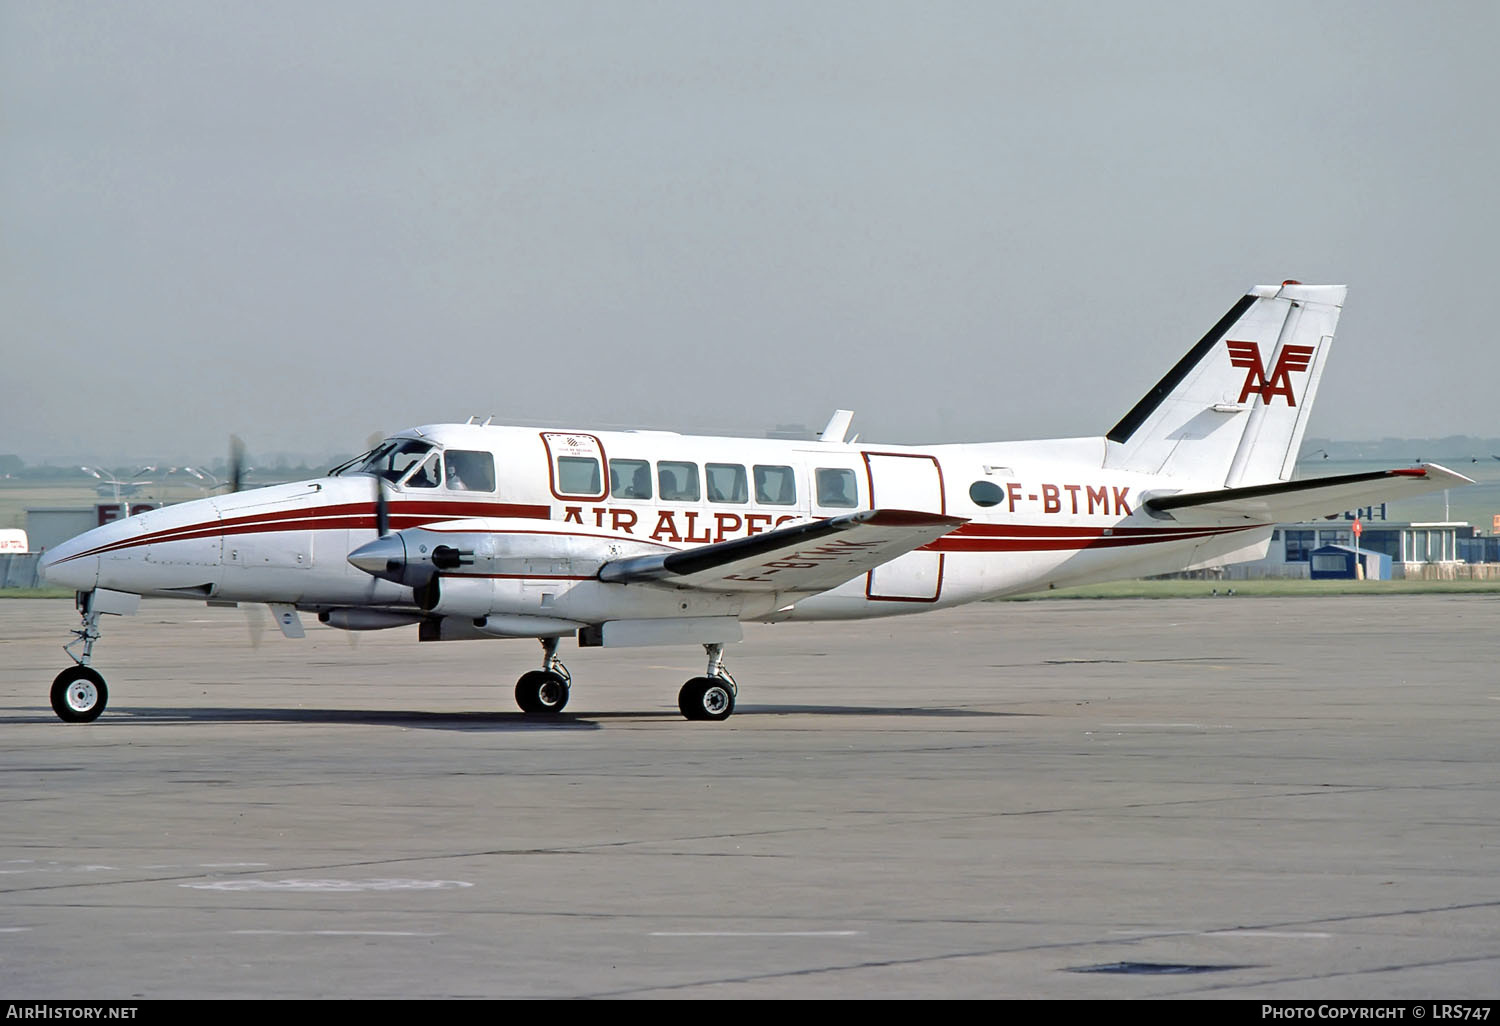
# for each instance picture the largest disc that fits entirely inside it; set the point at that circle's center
(572, 443)
(889, 582)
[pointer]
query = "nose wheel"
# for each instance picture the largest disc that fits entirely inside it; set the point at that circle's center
(710, 697)
(545, 691)
(79, 695)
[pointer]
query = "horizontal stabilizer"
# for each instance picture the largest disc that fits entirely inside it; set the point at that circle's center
(1292, 501)
(805, 558)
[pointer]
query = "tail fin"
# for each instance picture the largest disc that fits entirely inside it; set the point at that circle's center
(1234, 409)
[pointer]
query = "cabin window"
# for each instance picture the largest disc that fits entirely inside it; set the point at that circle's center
(727, 482)
(630, 479)
(775, 486)
(678, 481)
(578, 475)
(470, 470)
(986, 493)
(428, 474)
(837, 488)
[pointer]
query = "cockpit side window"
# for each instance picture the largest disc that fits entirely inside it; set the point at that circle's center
(428, 474)
(392, 458)
(470, 471)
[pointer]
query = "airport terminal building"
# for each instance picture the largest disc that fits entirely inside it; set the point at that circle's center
(1385, 549)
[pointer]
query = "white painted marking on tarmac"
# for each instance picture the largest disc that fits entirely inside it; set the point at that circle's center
(755, 933)
(327, 886)
(332, 933)
(14, 929)
(1285, 934)
(1197, 725)
(1158, 726)
(231, 865)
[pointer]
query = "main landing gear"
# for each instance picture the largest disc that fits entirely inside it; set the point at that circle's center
(545, 690)
(78, 693)
(710, 697)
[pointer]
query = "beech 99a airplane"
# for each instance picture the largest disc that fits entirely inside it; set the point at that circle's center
(654, 538)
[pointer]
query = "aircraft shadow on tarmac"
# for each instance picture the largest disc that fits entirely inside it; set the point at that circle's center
(486, 720)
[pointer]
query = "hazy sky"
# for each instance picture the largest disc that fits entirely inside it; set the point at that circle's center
(302, 222)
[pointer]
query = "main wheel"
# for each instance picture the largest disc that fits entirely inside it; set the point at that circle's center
(542, 691)
(706, 698)
(78, 695)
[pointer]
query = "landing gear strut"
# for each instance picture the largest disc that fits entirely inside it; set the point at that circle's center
(710, 697)
(78, 693)
(545, 690)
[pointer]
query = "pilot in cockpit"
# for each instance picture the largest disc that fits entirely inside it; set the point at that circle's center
(428, 474)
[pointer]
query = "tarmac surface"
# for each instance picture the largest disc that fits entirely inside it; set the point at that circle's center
(1269, 799)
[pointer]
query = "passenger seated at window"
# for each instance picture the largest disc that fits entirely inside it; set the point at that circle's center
(836, 487)
(630, 479)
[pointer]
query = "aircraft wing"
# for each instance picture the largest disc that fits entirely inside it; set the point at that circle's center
(804, 558)
(1290, 501)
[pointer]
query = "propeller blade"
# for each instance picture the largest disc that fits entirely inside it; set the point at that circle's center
(382, 509)
(256, 619)
(236, 463)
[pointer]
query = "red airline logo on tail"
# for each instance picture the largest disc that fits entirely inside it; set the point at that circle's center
(1292, 358)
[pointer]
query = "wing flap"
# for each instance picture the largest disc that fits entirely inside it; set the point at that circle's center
(1292, 501)
(804, 558)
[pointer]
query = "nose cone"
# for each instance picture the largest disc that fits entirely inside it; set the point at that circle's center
(383, 557)
(66, 566)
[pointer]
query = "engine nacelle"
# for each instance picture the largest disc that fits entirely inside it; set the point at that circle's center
(472, 568)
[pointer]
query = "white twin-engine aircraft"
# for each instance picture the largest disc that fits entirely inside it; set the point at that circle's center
(654, 538)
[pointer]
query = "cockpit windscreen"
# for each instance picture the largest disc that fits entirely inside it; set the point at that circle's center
(392, 458)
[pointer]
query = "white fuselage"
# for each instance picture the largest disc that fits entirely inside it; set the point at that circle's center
(1040, 515)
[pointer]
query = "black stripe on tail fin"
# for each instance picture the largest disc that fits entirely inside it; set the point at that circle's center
(1128, 424)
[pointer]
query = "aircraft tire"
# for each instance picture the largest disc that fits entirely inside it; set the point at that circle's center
(79, 695)
(706, 698)
(542, 691)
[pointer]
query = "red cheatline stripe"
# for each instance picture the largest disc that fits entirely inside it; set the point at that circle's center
(350, 516)
(359, 516)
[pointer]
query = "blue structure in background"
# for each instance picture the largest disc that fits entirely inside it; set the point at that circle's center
(1336, 563)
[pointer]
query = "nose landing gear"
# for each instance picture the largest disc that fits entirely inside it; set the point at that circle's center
(78, 693)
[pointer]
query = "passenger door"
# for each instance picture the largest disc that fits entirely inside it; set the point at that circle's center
(910, 482)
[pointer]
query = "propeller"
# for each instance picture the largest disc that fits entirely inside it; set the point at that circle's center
(256, 618)
(236, 463)
(382, 509)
